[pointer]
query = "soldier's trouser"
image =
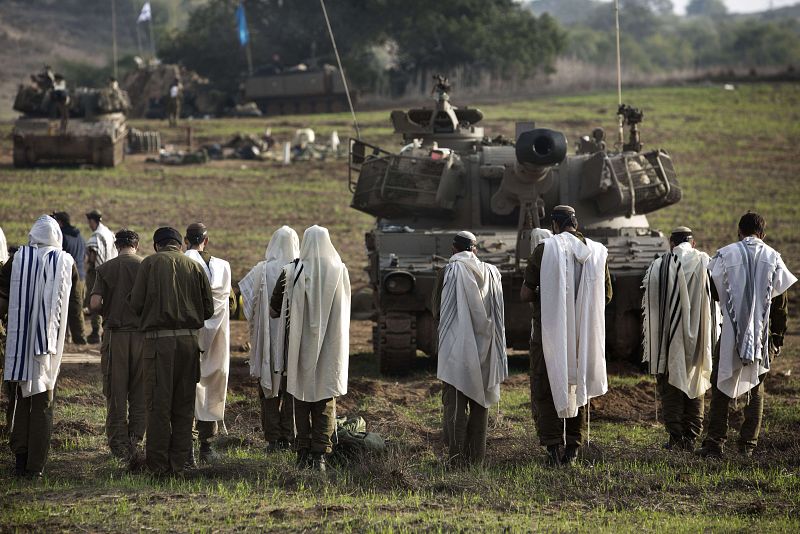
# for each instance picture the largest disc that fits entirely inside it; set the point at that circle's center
(552, 430)
(96, 318)
(32, 425)
(464, 423)
(718, 413)
(123, 387)
(683, 417)
(205, 430)
(315, 422)
(277, 415)
(9, 392)
(172, 370)
(75, 312)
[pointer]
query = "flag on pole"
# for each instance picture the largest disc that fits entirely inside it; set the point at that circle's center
(244, 35)
(145, 14)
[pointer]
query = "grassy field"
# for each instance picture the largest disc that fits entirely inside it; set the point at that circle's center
(734, 150)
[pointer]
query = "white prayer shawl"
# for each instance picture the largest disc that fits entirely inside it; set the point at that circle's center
(472, 340)
(3, 247)
(573, 325)
(316, 306)
(41, 279)
(680, 324)
(102, 243)
(256, 288)
(747, 274)
(214, 340)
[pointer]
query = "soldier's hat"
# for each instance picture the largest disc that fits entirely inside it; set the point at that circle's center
(164, 233)
(97, 215)
(196, 232)
(682, 230)
(563, 208)
(465, 239)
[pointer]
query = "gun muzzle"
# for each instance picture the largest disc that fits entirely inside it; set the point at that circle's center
(541, 147)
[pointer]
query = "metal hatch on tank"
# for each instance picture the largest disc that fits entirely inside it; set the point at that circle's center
(449, 176)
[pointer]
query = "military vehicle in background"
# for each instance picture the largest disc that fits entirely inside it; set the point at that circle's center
(450, 176)
(89, 128)
(296, 90)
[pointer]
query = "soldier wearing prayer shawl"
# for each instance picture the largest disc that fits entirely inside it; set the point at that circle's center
(472, 360)
(8, 388)
(214, 340)
(750, 281)
(34, 289)
(312, 299)
(680, 329)
(567, 273)
(277, 416)
(99, 249)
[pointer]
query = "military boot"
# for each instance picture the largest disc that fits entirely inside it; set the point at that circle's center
(318, 462)
(709, 451)
(553, 458)
(207, 453)
(93, 338)
(303, 459)
(570, 455)
(191, 462)
(20, 464)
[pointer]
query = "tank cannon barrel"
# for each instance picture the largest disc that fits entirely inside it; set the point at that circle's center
(541, 147)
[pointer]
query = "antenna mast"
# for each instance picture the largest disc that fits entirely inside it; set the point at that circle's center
(621, 132)
(341, 69)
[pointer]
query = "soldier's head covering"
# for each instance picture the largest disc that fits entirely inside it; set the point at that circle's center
(464, 240)
(682, 230)
(165, 233)
(126, 238)
(96, 215)
(196, 233)
(564, 215)
(681, 234)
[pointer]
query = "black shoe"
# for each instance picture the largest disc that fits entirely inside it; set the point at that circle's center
(207, 453)
(20, 464)
(80, 341)
(553, 458)
(570, 455)
(746, 451)
(318, 462)
(687, 444)
(303, 459)
(273, 446)
(191, 462)
(284, 444)
(93, 339)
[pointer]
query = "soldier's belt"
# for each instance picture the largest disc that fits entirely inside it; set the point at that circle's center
(155, 334)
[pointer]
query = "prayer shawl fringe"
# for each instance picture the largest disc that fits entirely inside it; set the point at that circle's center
(472, 340)
(41, 279)
(679, 327)
(748, 274)
(257, 289)
(214, 340)
(316, 308)
(573, 326)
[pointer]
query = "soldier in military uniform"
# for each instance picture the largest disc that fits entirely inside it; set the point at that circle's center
(74, 244)
(172, 297)
(121, 349)
(174, 102)
(551, 428)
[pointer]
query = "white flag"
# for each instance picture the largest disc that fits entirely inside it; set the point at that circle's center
(145, 13)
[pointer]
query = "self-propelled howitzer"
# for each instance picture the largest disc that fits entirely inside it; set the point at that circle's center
(449, 177)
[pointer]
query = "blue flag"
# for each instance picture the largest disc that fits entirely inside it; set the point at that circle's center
(244, 35)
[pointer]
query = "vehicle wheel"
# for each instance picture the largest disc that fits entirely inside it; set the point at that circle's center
(396, 344)
(20, 156)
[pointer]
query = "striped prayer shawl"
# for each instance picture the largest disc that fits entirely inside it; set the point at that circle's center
(40, 284)
(660, 327)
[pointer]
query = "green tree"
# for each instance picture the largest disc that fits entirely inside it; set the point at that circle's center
(706, 8)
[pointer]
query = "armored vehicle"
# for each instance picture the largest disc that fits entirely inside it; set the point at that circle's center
(90, 126)
(449, 176)
(296, 90)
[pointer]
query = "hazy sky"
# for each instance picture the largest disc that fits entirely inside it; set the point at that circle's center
(740, 6)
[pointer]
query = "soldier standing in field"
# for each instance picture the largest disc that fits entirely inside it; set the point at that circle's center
(121, 350)
(174, 98)
(75, 246)
(172, 297)
(565, 301)
(99, 249)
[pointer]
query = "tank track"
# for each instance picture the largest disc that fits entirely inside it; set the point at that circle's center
(395, 343)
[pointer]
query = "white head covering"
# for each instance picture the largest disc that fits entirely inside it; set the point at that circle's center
(45, 232)
(284, 246)
(3, 247)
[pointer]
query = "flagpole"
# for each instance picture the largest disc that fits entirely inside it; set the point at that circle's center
(249, 54)
(152, 39)
(138, 39)
(114, 36)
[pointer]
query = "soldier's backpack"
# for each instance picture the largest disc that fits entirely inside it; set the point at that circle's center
(353, 441)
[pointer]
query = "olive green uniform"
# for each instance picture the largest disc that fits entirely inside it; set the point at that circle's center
(683, 417)
(77, 329)
(172, 297)
(754, 409)
(464, 422)
(32, 416)
(314, 421)
(550, 427)
(121, 354)
(95, 318)
(277, 415)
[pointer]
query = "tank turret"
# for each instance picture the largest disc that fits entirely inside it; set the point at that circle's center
(448, 176)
